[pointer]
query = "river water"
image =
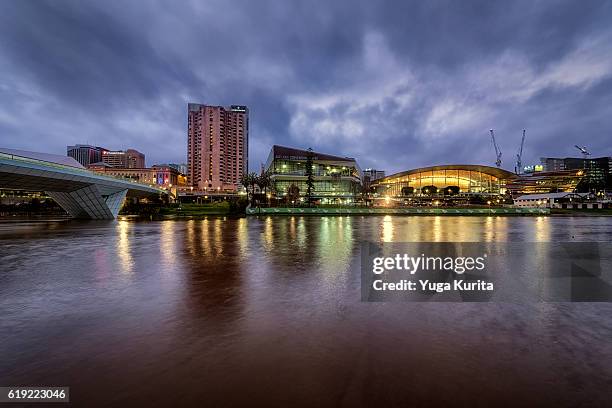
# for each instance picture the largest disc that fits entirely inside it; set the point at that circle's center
(267, 312)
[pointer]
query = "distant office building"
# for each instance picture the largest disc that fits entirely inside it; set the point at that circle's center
(532, 168)
(373, 174)
(552, 164)
(336, 179)
(129, 159)
(217, 146)
(182, 168)
(85, 154)
(161, 175)
(598, 171)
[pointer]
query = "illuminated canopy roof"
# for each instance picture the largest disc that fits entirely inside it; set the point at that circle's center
(492, 171)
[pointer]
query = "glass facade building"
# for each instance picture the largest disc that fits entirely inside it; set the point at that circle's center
(597, 171)
(336, 179)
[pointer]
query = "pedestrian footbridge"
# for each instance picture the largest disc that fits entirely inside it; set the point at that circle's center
(82, 193)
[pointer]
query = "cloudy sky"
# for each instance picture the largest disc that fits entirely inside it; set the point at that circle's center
(396, 84)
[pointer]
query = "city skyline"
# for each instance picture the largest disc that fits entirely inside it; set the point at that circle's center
(401, 86)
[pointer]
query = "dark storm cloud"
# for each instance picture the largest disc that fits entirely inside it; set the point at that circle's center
(395, 84)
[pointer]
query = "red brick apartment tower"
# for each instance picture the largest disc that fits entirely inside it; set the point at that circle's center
(217, 146)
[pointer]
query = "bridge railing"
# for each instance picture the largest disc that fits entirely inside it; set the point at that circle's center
(72, 169)
(40, 161)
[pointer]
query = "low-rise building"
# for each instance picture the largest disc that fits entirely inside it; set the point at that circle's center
(558, 200)
(544, 182)
(336, 179)
(181, 179)
(161, 175)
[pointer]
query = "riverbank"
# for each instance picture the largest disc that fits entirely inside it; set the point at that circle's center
(397, 211)
(582, 212)
(188, 211)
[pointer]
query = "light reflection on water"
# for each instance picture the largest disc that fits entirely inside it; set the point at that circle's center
(167, 244)
(387, 229)
(227, 310)
(123, 246)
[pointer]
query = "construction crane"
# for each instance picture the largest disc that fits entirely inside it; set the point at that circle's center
(583, 150)
(519, 156)
(498, 153)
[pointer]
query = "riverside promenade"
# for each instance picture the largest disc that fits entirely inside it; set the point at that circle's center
(396, 211)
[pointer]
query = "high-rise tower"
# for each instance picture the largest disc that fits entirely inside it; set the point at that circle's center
(217, 146)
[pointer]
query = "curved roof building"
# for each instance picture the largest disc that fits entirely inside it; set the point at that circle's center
(467, 178)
